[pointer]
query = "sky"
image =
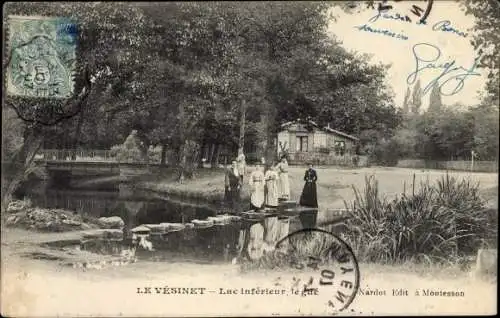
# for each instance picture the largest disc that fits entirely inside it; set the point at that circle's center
(423, 43)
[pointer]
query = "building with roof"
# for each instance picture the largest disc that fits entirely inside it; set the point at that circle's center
(305, 141)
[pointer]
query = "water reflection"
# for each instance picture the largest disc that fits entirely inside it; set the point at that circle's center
(214, 244)
(133, 206)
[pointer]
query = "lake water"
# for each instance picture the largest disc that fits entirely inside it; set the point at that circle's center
(135, 207)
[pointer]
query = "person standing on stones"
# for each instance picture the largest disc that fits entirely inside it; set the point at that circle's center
(241, 166)
(309, 196)
(232, 185)
(271, 178)
(257, 184)
(284, 185)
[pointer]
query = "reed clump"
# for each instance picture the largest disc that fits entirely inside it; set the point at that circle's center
(441, 222)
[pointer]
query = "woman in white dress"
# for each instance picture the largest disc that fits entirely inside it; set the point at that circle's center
(271, 178)
(284, 185)
(257, 184)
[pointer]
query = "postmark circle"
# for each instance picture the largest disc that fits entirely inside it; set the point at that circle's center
(327, 267)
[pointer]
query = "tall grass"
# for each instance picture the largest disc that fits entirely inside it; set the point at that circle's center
(436, 222)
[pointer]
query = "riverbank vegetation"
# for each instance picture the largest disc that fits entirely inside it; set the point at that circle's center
(441, 223)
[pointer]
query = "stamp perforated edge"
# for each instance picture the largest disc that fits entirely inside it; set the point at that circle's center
(8, 48)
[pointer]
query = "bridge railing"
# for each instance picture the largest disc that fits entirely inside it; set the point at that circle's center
(74, 155)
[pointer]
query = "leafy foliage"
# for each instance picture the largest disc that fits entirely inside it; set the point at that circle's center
(406, 101)
(130, 151)
(416, 98)
(486, 41)
(448, 134)
(431, 223)
(195, 65)
(12, 134)
(435, 102)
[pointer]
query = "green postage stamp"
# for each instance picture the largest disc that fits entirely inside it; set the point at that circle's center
(42, 56)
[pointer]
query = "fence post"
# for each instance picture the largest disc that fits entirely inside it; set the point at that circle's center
(472, 161)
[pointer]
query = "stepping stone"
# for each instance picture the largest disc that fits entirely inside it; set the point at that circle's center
(303, 209)
(173, 227)
(189, 225)
(219, 219)
(291, 212)
(288, 204)
(271, 211)
(141, 229)
(231, 218)
(156, 228)
(202, 224)
(253, 215)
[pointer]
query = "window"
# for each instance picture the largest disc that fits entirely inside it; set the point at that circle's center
(302, 143)
(339, 147)
(319, 140)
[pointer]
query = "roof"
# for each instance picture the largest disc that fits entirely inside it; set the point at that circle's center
(340, 133)
(284, 125)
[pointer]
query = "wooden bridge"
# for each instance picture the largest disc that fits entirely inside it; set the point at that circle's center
(62, 165)
(58, 155)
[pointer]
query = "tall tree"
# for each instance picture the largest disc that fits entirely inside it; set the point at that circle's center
(486, 132)
(435, 102)
(406, 101)
(416, 100)
(486, 41)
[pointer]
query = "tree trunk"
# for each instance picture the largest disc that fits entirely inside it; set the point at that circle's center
(270, 150)
(78, 131)
(182, 161)
(163, 160)
(215, 162)
(200, 156)
(21, 162)
(241, 141)
(211, 155)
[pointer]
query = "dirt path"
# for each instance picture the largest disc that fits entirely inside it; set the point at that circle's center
(34, 287)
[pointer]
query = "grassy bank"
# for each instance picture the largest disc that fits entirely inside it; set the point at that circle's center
(334, 184)
(208, 185)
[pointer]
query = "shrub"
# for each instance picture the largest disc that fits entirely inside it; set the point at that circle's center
(386, 153)
(436, 222)
(154, 154)
(130, 150)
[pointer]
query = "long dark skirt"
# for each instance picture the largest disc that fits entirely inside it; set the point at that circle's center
(309, 196)
(232, 198)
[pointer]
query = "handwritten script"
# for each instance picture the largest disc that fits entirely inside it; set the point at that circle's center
(451, 78)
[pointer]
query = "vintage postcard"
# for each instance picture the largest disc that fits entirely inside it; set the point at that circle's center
(173, 159)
